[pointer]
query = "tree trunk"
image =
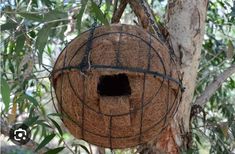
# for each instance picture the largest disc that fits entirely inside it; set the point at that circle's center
(185, 22)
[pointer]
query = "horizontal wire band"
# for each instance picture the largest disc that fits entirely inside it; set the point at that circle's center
(131, 69)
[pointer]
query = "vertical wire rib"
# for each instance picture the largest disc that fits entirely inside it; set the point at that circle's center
(52, 98)
(167, 100)
(149, 52)
(83, 100)
(61, 101)
(168, 94)
(143, 92)
(61, 86)
(110, 132)
(118, 63)
(86, 63)
(142, 109)
(168, 110)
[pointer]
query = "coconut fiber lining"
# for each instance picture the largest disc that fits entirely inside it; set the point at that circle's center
(116, 86)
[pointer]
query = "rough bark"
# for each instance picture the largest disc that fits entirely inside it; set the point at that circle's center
(139, 12)
(185, 21)
(117, 14)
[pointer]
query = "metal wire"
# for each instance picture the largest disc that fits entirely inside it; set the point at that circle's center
(155, 27)
(131, 69)
(152, 21)
(119, 66)
(86, 66)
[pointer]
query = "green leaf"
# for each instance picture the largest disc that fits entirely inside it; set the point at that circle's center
(57, 126)
(107, 5)
(45, 141)
(20, 43)
(31, 16)
(11, 66)
(42, 109)
(190, 151)
(84, 147)
(55, 114)
(233, 10)
(31, 99)
(52, 15)
(98, 13)
(54, 151)
(41, 40)
(55, 15)
(31, 121)
(233, 129)
(48, 3)
(230, 50)
(8, 26)
(5, 92)
(43, 123)
(80, 14)
(35, 132)
(198, 139)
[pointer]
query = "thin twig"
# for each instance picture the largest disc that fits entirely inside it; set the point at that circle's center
(210, 60)
(38, 26)
(212, 87)
(31, 12)
(44, 66)
(212, 73)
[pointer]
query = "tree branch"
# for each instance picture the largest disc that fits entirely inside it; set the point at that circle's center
(117, 14)
(139, 12)
(212, 87)
(31, 145)
(136, 7)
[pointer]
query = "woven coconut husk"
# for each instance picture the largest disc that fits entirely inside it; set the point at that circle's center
(116, 121)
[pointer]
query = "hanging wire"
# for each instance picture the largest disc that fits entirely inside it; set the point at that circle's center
(155, 27)
(86, 63)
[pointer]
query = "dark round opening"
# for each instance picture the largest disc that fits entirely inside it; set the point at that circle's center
(114, 85)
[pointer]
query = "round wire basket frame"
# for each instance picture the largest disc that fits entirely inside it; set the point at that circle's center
(86, 65)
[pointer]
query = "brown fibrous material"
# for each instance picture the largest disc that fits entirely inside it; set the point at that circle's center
(116, 121)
